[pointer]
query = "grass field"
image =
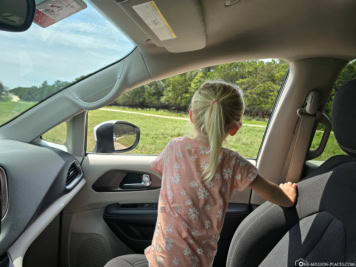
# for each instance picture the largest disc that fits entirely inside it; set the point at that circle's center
(10, 109)
(159, 129)
(156, 132)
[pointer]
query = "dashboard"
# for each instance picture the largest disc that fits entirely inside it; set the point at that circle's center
(36, 184)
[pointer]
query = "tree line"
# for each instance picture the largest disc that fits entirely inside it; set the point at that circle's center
(38, 93)
(259, 80)
(35, 93)
(4, 96)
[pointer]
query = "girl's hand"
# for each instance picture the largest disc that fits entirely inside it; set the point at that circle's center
(284, 195)
(290, 190)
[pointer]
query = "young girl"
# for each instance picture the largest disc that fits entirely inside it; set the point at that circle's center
(198, 177)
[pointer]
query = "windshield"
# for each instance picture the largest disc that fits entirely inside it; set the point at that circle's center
(41, 61)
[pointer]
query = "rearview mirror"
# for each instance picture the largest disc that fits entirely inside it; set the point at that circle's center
(16, 15)
(116, 136)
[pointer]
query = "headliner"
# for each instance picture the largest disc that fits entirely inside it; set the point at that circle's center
(250, 29)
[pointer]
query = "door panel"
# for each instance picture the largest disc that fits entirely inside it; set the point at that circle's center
(119, 180)
(134, 224)
(96, 165)
(110, 220)
(86, 239)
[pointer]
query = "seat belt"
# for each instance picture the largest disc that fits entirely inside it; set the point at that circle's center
(307, 116)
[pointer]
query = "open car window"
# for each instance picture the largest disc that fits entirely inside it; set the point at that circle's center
(43, 61)
(160, 109)
(332, 148)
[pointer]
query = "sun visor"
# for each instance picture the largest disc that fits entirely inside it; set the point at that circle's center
(176, 25)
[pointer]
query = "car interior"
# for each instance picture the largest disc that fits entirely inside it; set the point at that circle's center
(63, 206)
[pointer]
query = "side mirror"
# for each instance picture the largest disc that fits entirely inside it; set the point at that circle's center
(116, 136)
(16, 15)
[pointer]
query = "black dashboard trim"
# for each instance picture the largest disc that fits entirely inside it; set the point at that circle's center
(36, 179)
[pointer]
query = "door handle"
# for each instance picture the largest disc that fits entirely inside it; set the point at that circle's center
(145, 183)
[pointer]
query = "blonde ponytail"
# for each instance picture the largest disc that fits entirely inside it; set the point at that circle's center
(214, 121)
(216, 105)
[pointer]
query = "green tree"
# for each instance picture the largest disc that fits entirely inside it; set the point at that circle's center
(79, 78)
(227, 72)
(3, 93)
(2, 89)
(198, 80)
(153, 93)
(347, 74)
(133, 98)
(177, 92)
(261, 98)
(260, 82)
(38, 93)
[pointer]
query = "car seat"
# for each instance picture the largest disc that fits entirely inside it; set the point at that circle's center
(321, 228)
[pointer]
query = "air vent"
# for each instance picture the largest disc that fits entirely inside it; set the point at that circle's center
(74, 175)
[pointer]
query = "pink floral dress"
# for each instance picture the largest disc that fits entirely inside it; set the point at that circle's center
(190, 212)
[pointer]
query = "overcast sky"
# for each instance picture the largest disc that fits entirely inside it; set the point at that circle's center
(75, 46)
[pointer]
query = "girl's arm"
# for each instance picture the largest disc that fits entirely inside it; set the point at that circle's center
(283, 195)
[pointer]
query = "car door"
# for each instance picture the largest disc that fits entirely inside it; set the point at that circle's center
(108, 218)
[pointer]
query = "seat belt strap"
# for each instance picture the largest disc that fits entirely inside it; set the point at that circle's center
(306, 123)
(307, 117)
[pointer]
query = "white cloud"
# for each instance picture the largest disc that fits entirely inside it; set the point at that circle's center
(63, 51)
(74, 34)
(26, 68)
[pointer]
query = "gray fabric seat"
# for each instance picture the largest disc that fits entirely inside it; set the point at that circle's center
(136, 260)
(321, 227)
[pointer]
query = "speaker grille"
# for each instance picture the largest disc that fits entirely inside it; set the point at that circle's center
(89, 250)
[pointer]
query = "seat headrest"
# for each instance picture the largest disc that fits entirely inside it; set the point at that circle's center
(344, 117)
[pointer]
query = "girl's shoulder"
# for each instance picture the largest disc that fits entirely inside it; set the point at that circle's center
(176, 141)
(231, 155)
(187, 144)
(192, 142)
(233, 158)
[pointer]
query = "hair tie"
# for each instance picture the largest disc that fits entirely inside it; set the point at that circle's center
(214, 102)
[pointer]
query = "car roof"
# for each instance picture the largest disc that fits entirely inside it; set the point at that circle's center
(208, 32)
